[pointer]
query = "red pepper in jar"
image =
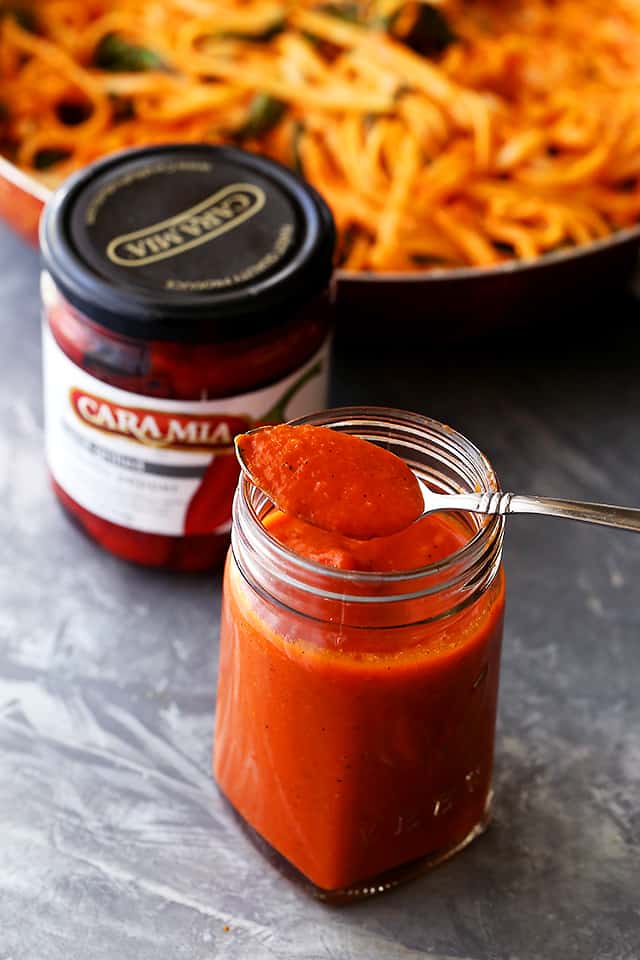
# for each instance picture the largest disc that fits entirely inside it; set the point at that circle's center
(184, 294)
(210, 506)
(211, 503)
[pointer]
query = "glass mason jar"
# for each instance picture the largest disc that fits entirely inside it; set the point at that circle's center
(185, 299)
(356, 711)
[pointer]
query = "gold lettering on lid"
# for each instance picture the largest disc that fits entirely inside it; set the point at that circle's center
(219, 213)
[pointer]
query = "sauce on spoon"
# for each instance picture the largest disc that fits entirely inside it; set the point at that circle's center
(332, 480)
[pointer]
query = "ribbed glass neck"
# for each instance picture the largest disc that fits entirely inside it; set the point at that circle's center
(441, 458)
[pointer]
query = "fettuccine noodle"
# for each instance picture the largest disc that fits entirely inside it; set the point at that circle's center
(516, 134)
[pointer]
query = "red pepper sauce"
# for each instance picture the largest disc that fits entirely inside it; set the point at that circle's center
(333, 480)
(354, 750)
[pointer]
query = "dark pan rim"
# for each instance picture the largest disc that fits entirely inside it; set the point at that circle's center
(23, 181)
(618, 238)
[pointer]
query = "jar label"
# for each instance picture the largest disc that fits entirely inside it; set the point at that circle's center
(155, 465)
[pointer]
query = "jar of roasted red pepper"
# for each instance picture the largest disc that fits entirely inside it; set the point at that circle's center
(185, 300)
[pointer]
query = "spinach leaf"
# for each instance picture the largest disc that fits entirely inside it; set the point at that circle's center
(265, 113)
(344, 11)
(118, 55)
(262, 36)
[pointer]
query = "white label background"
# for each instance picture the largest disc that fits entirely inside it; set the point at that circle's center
(143, 487)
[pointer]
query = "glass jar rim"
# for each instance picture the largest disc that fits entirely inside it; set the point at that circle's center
(489, 527)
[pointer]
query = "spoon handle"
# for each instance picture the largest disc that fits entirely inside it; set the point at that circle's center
(626, 518)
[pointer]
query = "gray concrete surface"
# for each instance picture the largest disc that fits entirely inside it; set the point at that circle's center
(114, 843)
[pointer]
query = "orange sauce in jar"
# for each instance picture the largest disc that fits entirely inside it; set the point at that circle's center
(357, 691)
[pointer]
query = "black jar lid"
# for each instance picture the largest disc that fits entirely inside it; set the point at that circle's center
(187, 243)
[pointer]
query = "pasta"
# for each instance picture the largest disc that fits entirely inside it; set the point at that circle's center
(454, 133)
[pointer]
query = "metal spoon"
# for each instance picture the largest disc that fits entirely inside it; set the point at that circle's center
(625, 518)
